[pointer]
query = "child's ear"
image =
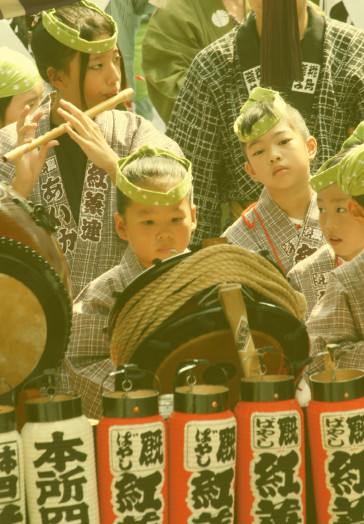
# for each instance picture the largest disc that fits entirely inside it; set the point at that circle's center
(56, 77)
(356, 210)
(248, 168)
(194, 219)
(120, 226)
(311, 147)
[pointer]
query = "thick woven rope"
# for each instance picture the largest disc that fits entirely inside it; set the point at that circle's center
(218, 264)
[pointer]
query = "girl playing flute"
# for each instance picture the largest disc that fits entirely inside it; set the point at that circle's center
(73, 177)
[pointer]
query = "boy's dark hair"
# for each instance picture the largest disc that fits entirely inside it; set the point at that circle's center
(291, 116)
(4, 104)
(49, 52)
(147, 170)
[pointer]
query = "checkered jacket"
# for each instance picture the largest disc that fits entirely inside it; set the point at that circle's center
(338, 317)
(310, 276)
(210, 100)
(268, 227)
(92, 246)
(87, 361)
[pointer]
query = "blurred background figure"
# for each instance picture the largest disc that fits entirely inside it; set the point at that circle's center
(20, 85)
(129, 15)
(349, 11)
(176, 32)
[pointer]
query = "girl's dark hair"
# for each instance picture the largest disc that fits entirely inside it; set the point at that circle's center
(291, 116)
(48, 52)
(4, 104)
(147, 171)
(281, 55)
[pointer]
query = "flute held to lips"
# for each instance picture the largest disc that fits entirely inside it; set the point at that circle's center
(60, 130)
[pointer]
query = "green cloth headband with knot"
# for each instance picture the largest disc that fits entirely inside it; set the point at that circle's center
(18, 74)
(145, 196)
(260, 94)
(344, 172)
(350, 177)
(71, 37)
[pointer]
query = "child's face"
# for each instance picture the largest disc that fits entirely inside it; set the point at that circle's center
(102, 79)
(280, 159)
(339, 227)
(153, 231)
(32, 98)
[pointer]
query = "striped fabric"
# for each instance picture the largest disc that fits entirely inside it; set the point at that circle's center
(12, 8)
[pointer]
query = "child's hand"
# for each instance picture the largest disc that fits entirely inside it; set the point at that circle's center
(29, 166)
(87, 134)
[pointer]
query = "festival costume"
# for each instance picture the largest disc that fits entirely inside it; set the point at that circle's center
(87, 361)
(266, 226)
(217, 85)
(92, 246)
(338, 317)
(174, 36)
(310, 276)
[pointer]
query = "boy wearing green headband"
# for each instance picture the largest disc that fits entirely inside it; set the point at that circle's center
(278, 149)
(343, 233)
(338, 317)
(73, 177)
(20, 85)
(156, 216)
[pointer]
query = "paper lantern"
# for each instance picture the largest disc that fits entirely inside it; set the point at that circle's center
(270, 472)
(12, 492)
(335, 418)
(59, 461)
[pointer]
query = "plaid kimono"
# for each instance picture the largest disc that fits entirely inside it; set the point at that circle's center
(92, 246)
(266, 227)
(338, 317)
(310, 276)
(87, 360)
(216, 87)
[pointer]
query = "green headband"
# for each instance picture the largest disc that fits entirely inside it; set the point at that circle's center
(324, 176)
(18, 74)
(346, 172)
(350, 177)
(71, 37)
(259, 94)
(145, 196)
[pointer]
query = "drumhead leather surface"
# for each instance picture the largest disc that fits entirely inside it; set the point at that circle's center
(35, 311)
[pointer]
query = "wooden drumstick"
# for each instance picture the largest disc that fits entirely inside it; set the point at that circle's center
(233, 305)
(60, 130)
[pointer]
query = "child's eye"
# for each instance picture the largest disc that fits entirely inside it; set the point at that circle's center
(148, 222)
(321, 210)
(285, 141)
(96, 66)
(176, 219)
(117, 59)
(341, 210)
(259, 152)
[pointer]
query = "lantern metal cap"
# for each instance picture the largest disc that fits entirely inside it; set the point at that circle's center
(201, 399)
(7, 419)
(267, 388)
(337, 386)
(47, 409)
(130, 404)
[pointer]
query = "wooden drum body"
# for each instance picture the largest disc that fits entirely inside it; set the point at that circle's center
(35, 296)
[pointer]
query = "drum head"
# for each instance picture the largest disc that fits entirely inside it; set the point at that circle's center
(35, 311)
(199, 329)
